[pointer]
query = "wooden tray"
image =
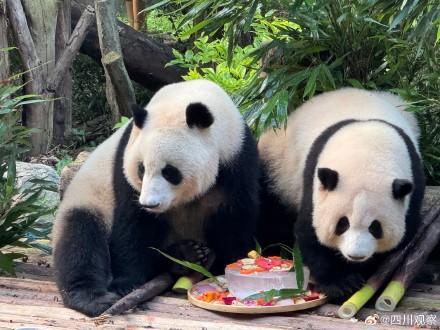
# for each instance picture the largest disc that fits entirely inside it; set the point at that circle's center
(240, 309)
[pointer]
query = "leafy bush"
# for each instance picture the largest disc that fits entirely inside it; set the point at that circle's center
(315, 46)
(19, 208)
(209, 60)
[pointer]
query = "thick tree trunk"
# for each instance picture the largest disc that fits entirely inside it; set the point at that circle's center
(144, 57)
(4, 55)
(62, 125)
(33, 23)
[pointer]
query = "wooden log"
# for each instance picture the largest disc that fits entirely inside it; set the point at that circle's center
(62, 111)
(139, 15)
(124, 92)
(136, 48)
(129, 10)
(119, 90)
(149, 290)
(4, 55)
(36, 46)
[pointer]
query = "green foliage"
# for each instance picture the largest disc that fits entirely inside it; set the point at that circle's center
(124, 120)
(274, 293)
(89, 100)
(309, 47)
(19, 208)
(63, 162)
(198, 268)
(209, 60)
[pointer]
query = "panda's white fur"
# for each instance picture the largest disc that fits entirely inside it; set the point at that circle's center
(197, 151)
(285, 151)
(365, 143)
(112, 212)
(361, 153)
(92, 186)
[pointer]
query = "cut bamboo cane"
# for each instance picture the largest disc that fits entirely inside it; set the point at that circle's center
(403, 277)
(384, 271)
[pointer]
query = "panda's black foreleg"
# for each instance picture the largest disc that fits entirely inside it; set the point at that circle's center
(133, 262)
(333, 276)
(82, 263)
(230, 234)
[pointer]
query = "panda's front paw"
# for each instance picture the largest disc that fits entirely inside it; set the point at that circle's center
(341, 288)
(122, 286)
(89, 302)
(191, 251)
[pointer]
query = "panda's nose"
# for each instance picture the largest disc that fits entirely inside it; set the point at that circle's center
(152, 206)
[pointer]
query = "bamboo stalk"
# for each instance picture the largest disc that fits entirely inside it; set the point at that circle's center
(403, 277)
(384, 271)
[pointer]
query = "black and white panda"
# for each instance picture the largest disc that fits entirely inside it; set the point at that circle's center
(348, 166)
(186, 167)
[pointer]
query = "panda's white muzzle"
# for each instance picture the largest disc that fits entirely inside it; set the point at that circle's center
(357, 245)
(156, 194)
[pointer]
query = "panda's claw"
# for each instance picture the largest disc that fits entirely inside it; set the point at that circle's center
(191, 251)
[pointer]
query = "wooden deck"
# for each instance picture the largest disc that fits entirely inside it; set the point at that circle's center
(32, 301)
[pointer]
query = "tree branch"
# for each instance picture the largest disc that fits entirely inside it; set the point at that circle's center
(73, 45)
(112, 56)
(25, 44)
(136, 47)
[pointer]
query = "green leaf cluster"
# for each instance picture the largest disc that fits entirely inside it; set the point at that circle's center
(295, 49)
(19, 208)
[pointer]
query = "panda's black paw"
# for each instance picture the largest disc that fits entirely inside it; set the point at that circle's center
(340, 289)
(122, 286)
(90, 303)
(191, 251)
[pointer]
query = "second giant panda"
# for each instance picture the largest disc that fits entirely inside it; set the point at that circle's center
(348, 166)
(186, 167)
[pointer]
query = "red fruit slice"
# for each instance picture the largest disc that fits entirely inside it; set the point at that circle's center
(313, 296)
(229, 300)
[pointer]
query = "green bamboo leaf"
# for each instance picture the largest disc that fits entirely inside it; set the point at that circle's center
(250, 16)
(274, 293)
(299, 267)
(7, 261)
(257, 247)
(310, 88)
(200, 269)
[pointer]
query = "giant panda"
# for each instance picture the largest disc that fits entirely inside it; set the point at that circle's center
(185, 167)
(347, 170)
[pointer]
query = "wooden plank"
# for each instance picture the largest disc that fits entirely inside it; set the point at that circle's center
(44, 294)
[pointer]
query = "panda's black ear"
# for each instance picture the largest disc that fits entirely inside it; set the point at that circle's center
(197, 114)
(139, 115)
(401, 188)
(328, 178)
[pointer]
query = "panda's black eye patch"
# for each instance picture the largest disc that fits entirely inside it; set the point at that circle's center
(141, 170)
(172, 174)
(342, 226)
(376, 229)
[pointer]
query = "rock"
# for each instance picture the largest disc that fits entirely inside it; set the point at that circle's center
(68, 172)
(28, 171)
